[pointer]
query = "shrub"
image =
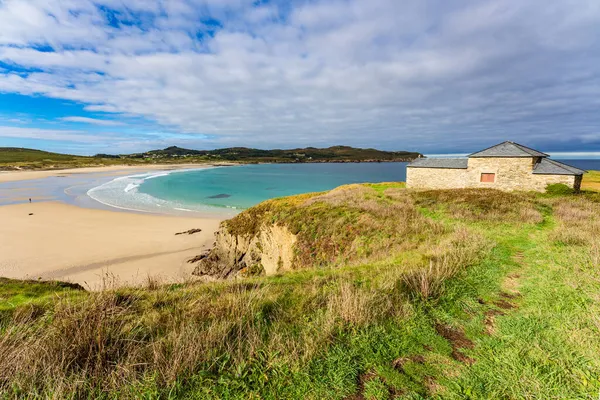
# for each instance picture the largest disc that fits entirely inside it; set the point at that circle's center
(559, 189)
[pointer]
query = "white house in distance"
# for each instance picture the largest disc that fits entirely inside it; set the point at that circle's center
(505, 166)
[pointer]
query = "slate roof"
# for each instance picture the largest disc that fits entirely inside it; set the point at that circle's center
(551, 167)
(508, 149)
(451, 163)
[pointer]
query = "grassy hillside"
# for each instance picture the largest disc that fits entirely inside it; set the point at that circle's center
(309, 154)
(15, 155)
(446, 294)
(12, 158)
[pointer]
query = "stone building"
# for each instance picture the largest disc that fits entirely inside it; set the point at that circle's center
(505, 166)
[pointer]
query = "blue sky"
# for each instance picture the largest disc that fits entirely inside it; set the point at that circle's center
(436, 76)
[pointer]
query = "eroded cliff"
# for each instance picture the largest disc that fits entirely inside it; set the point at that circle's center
(268, 250)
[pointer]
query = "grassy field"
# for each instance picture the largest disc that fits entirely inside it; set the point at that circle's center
(591, 181)
(12, 158)
(445, 294)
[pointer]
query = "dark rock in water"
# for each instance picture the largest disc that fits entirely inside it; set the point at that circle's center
(189, 232)
(219, 196)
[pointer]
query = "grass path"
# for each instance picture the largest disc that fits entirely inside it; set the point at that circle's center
(539, 341)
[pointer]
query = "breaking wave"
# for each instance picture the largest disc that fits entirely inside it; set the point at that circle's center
(122, 193)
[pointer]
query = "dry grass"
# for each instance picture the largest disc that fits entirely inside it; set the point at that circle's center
(348, 225)
(483, 205)
(449, 258)
(579, 221)
(591, 181)
(113, 339)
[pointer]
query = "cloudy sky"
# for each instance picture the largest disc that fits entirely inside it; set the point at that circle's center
(88, 76)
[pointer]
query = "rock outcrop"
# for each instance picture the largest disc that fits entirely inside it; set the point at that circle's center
(267, 251)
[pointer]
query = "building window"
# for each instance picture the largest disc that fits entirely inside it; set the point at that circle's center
(489, 178)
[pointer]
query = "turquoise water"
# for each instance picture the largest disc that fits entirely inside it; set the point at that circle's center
(224, 191)
(244, 186)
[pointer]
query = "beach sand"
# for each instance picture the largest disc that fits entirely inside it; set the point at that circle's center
(95, 247)
(115, 170)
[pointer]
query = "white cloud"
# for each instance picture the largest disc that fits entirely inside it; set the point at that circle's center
(412, 74)
(51, 134)
(93, 121)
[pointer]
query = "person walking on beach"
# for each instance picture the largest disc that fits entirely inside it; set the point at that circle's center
(30, 200)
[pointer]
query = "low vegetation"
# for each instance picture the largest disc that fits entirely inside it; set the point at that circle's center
(591, 181)
(14, 159)
(18, 158)
(397, 294)
(308, 154)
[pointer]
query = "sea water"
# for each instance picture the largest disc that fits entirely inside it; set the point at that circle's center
(228, 190)
(232, 189)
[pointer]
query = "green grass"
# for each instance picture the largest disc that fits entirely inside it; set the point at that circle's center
(591, 181)
(14, 292)
(15, 155)
(514, 315)
(12, 158)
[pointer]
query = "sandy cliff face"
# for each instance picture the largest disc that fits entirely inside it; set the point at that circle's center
(269, 250)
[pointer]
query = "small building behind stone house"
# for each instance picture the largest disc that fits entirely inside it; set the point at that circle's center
(505, 166)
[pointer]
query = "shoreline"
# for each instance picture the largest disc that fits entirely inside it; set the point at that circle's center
(96, 247)
(25, 175)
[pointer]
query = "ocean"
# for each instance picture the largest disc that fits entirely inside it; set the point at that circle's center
(228, 190)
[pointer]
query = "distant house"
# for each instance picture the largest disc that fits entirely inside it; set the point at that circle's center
(505, 166)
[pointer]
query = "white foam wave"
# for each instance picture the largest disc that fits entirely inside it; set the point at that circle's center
(156, 176)
(131, 186)
(123, 193)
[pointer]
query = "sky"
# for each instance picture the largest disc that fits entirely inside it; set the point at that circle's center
(435, 76)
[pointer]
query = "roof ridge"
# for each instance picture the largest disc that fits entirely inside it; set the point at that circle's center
(487, 148)
(528, 148)
(508, 149)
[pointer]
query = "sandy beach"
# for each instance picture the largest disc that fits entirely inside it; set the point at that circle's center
(115, 170)
(87, 246)
(49, 239)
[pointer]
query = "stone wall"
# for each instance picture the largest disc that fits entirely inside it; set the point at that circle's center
(539, 182)
(510, 174)
(435, 178)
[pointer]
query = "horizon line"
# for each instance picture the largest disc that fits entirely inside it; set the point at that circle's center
(560, 155)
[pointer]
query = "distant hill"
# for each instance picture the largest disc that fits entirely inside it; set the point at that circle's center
(14, 158)
(17, 154)
(308, 154)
